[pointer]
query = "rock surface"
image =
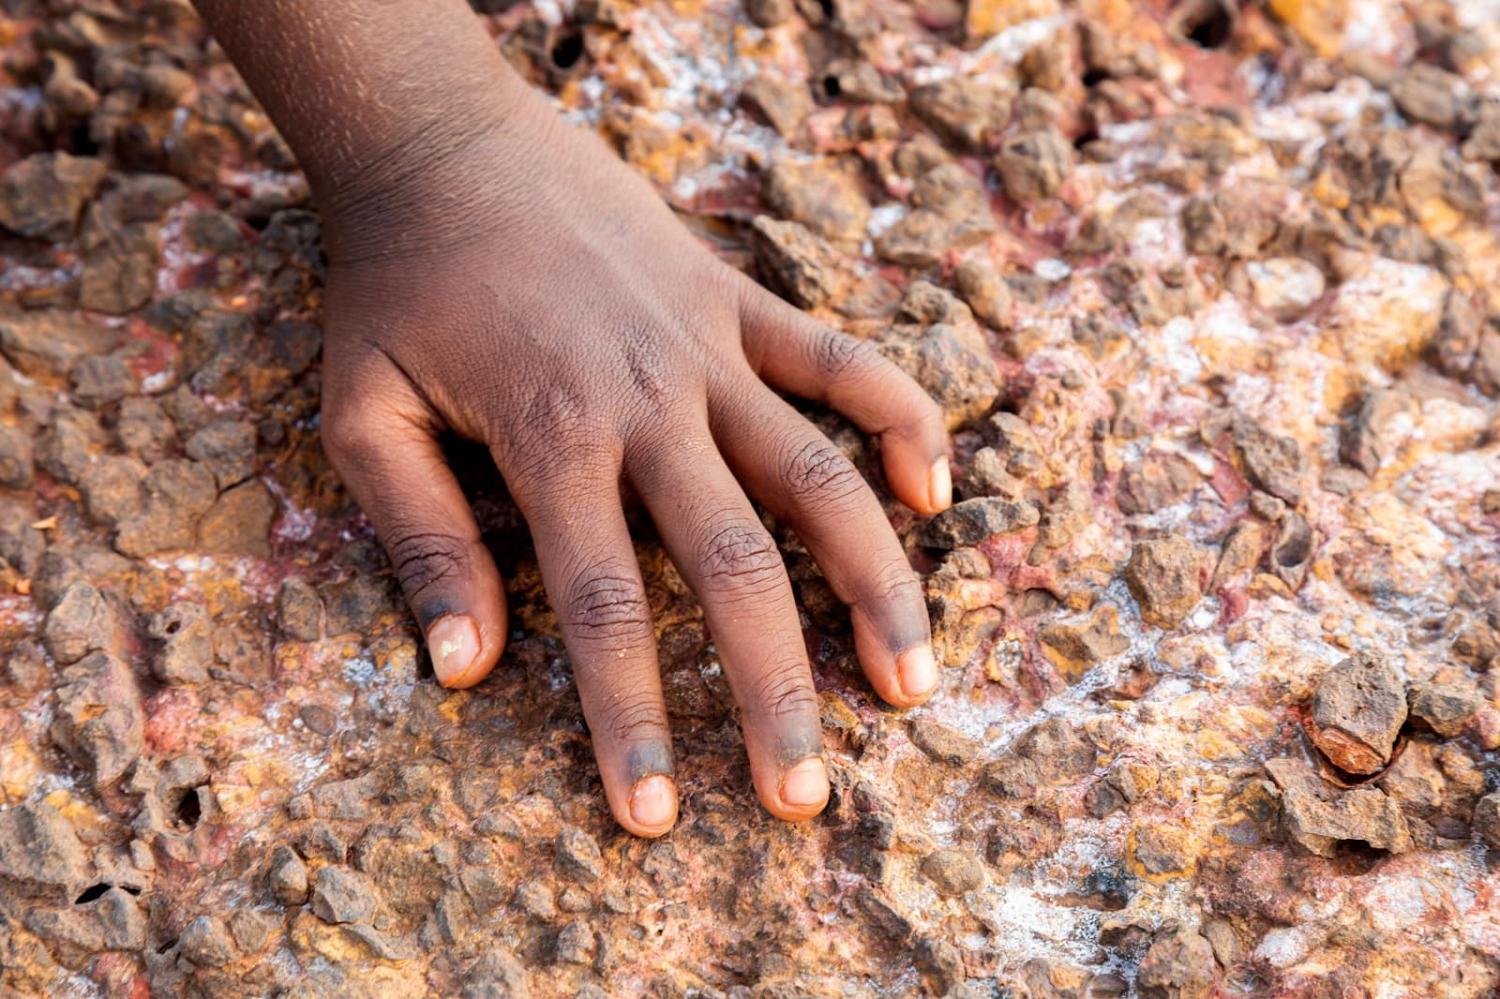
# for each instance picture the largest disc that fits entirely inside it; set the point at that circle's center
(1206, 292)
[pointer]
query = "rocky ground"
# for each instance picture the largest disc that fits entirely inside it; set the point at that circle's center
(1210, 295)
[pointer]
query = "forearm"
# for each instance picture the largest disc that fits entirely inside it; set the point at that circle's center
(372, 95)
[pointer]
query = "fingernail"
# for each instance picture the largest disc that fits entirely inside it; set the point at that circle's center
(453, 642)
(653, 801)
(940, 484)
(917, 671)
(806, 784)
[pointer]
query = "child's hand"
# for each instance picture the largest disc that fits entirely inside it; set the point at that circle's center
(499, 273)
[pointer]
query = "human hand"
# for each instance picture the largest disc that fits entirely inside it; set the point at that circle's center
(529, 291)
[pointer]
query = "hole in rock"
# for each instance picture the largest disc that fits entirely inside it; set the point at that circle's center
(831, 85)
(92, 893)
(1207, 23)
(189, 809)
(568, 50)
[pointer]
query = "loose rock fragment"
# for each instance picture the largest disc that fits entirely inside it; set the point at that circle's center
(1166, 578)
(941, 743)
(578, 855)
(1075, 648)
(1318, 815)
(1285, 287)
(40, 853)
(286, 876)
(953, 872)
(43, 195)
(967, 523)
(1179, 965)
(100, 722)
(1487, 820)
(206, 942)
(1033, 165)
(341, 895)
(968, 110)
(1357, 711)
(1446, 707)
(827, 201)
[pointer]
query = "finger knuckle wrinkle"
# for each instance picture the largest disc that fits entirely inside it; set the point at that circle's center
(634, 717)
(839, 355)
(423, 559)
(785, 689)
(821, 469)
(607, 605)
(898, 582)
(741, 557)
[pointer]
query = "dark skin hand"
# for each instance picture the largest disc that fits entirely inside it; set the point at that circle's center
(497, 273)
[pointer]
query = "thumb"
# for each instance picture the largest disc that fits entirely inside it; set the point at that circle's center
(395, 469)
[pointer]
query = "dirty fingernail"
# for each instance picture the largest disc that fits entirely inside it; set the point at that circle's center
(917, 671)
(453, 642)
(940, 484)
(806, 784)
(653, 801)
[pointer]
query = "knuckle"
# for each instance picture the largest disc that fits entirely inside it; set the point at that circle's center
(785, 689)
(820, 469)
(607, 604)
(634, 716)
(839, 355)
(897, 582)
(742, 558)
(423, 559)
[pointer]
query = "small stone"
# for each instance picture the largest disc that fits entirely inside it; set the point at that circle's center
(251, 930)
(227, 448)
(1034, 165)
(40, 852)
(576, 944)
(1075, 648)
(535, 898)
(828, 201)
(1166, 578)
(186, 634)
(941, 743)
(1357, 711)
(43, 195)
(1431, 96)
(970, 111)
(99, 380)
(953, 872)
(1049, 753)
(499, 974)
(1318, 815)
(1156, 482)
(15, 458)
(1163, 848)
(1285, 287)
(299, 611)
(798, 263)
(1272, 463)
(1179, 965)
(178, 493)
(781, 102)
(50, 342)
(984, 290)
(112, 489)
(1487, 820)
(971, 521)
(341, 895)
(286, 876)
(1446, 707)
(239, 522)
(206, 942)
(578, 855)
(100, 722)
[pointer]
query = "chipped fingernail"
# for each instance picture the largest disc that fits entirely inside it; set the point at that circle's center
(917, 671)
(453, 642)
(940, 484)
(806, 784)
(653, 801)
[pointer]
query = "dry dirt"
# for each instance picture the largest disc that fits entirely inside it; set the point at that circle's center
(1210, 296)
